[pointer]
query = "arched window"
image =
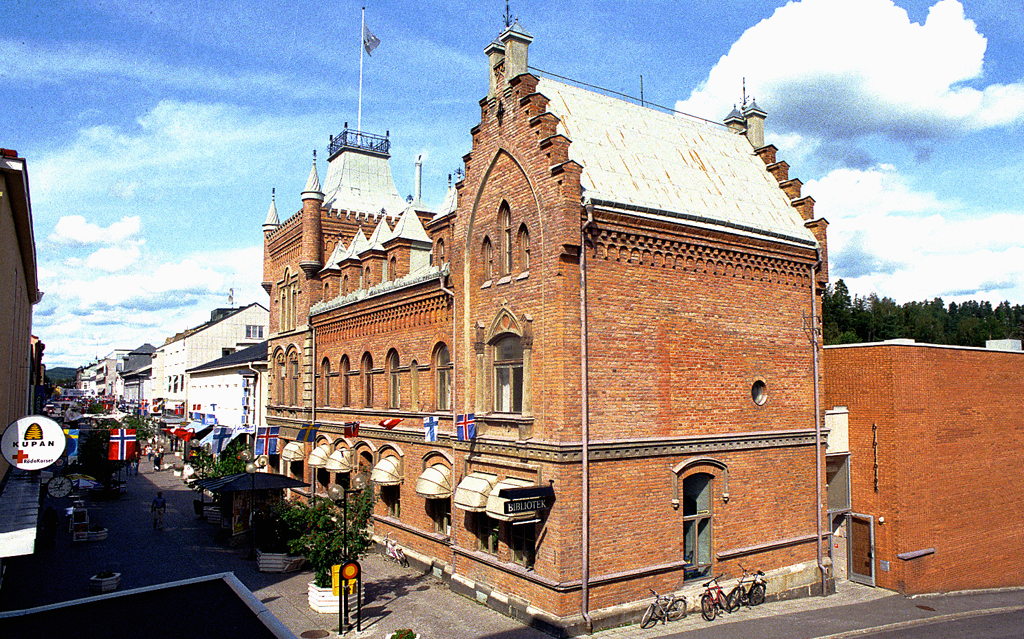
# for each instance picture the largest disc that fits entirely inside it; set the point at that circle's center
(443, 377)
(346, 398)
(325, 382)
(414, 385)
(487, 255)
(367, 280)
(505, 224)
(697, 513)
(508, 374)
(280, 374)
(439, 251)
(344, 285)
(524, 249)
(293, 379)
(366, 371)
(394, 386)
(393, 268)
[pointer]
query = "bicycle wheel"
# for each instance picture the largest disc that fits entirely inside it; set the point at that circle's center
(402, 560)
(677, 609)
(648, 619)
(732, 602)
(757, 594)
(707, 607)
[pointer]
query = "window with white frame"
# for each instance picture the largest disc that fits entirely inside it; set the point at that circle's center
(508, 374)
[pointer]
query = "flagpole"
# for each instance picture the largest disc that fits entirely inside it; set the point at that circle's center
(362, 36)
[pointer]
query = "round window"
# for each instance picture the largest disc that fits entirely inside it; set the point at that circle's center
(759, 392)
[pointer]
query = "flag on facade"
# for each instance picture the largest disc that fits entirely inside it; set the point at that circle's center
(122, 444)
(351, 429)
(370, 41)
(430, 429)
(221, 437)
(307, 433)
(465, 427)
(390, 423)
(266, 440)
(71, 437)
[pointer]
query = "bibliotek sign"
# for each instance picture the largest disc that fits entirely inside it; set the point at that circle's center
(32, 443)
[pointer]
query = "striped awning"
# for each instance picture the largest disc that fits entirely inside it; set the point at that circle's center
(387, 472)
(496, 505)
(293, 451)
(340, 461)
(318, 458)
(472, 492)
(435, 482)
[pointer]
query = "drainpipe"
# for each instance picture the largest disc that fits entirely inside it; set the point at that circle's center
(451, 352)
(585, 422)
(312, 402)
(256, 416)
(817, 423)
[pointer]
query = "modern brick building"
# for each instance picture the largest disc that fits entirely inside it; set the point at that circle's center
(625, 300)
(934, 464)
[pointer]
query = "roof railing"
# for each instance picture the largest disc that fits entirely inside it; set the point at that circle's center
(352, 139)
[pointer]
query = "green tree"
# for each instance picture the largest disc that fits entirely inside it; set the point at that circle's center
(323, 538)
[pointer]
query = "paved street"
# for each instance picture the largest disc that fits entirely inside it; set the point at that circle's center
(399, 598)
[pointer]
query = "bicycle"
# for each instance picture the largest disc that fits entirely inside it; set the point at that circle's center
(753, 595)
(391, 551)
(713, 600)
(665, 608)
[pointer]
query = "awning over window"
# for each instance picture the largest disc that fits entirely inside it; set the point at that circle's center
(435, 482)
(340, 461)
(386, 472)
(294, 451)
(471, 495)
(318, 458)
(496, 505)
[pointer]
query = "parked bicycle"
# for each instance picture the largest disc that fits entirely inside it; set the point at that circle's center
(391, 551)
(749, 591)
(713, 600)
(665, 608)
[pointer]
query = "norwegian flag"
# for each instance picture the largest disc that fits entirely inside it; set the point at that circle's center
(266, 440)
(465, 427)
(122, 444)
(390, 423)
(351, 429)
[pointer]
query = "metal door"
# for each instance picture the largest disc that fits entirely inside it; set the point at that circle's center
(860, 549)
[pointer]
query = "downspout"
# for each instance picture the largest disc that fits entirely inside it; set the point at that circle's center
(451, 352)
(817, 424)
(256, 401)
(585, 423)
(312, 402)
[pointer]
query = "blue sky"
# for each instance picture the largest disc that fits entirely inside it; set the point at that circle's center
(155, 131)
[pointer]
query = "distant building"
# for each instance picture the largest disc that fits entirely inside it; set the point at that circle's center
(137, 378)
(926, 495)
(231, 391)
(21, 363)
(623, 299)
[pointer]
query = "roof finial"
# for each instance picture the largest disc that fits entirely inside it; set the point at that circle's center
(273, 194)
(744, 92)
(508, 16)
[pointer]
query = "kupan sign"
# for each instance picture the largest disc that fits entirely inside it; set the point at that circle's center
(32, 442)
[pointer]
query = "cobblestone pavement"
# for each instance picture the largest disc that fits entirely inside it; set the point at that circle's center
(394, 597)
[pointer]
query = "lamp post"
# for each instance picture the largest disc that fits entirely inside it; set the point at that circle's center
(252, 467)
(336, 493)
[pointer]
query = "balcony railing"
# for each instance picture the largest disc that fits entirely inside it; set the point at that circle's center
(352, 139)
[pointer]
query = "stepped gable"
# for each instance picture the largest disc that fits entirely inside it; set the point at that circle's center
(660, 165)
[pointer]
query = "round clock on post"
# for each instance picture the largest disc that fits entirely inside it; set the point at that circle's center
(59, 486)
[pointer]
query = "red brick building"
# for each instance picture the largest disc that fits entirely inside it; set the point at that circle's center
(934, 463)
(623, 298)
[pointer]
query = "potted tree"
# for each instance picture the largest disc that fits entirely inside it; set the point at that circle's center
(324, 542)
(274, 531)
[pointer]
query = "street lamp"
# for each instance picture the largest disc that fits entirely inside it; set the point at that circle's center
(252, 467)
(336, 493)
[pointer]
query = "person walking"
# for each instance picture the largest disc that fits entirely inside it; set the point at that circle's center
(158, 508)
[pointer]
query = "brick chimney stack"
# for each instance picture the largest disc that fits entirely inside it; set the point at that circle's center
(755, 118)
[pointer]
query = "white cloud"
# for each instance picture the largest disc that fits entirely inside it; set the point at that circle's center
(113, 259)
(888, 238)
(840, 69)
(74, 229)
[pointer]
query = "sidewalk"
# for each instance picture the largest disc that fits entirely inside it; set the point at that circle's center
(394, 597)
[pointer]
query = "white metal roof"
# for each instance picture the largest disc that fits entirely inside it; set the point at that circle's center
(362, 183)
(656, 163)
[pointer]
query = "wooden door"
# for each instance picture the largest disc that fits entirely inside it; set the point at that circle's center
(861, 548)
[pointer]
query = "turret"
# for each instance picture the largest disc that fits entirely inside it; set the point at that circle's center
(312, 259)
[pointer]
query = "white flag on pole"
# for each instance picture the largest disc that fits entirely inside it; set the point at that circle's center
(370, 41)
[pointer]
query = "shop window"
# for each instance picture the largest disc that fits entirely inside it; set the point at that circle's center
(523, 540)
(486, 531)
(440, 513)
(508, 375)
(392, 498)
(697, 504)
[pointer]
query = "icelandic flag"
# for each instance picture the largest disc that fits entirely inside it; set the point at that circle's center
(465, 427)
(122, 444)
(390, 423)
(430, 429)
(307, 433)
(266, 440)
(71, 436)
(221, 437)
(351, 429)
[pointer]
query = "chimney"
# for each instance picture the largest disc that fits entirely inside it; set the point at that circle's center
(496, 60)
(516, 41)
(735, 120)
(755, 124)
(418, 193)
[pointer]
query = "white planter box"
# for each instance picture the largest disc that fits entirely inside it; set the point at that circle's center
(97, 535)
(104, 584)
(323, 599)
(278, 562)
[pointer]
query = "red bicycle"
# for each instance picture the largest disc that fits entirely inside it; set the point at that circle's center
(713, 600)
